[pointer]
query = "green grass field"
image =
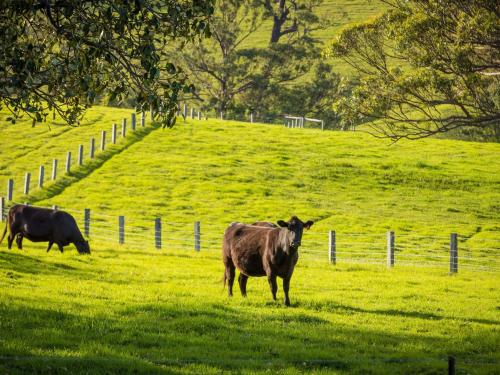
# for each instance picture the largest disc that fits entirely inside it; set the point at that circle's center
(131, 308)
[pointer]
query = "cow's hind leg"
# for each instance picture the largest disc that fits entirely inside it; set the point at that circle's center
(61, 248)
(242, 280)
(229, 275)
(272, 283)
(19, 241)
(50, 246)
(10, 239)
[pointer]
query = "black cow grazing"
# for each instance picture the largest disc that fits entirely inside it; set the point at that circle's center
(262, 250)
(41, 225)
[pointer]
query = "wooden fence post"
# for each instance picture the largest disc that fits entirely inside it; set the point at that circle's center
(41, 176)
(158, 233)
(124, 127)
(192, 113)
(151, 113)
(103, 140)
(184, 111)
(451, 365)
(332, 246)
(132, 121)
(27, 183)
(2, 208)
(113, 134)
(199, 115)
(68, 162)
(80, 155)
(197, 236)
(222, 115)
(92, 148)
(10, 189)
(390, 249)
(453, 253)
(86, 222)
(121, 229)
(322, 125)
(143, 119)
(54, 169)
(251, 117)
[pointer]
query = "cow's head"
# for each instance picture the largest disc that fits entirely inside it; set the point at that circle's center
(83, 247)
(295, 228)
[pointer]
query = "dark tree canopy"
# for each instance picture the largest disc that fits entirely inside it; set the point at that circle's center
(427, 66)
(59, 56)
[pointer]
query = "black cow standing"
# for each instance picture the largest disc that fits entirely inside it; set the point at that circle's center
(42, 225)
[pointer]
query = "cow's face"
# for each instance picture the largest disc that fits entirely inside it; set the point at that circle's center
(296, 227)
(83, 247)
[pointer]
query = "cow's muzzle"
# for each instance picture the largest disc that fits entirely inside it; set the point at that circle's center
(295, 244)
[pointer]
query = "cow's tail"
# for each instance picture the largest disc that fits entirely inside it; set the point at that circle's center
(224, 278)
(4, 230)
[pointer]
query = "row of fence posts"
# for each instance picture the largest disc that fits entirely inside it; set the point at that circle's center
(332, 241)
(80, 159)
(391, 246)
(198, 114)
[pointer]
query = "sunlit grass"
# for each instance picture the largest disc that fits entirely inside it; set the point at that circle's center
(132, 308)
(125, 309)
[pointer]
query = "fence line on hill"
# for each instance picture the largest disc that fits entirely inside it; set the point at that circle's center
(81, 156)
(390, 249)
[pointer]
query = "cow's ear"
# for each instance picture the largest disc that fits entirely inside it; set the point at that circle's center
(308, 224)
(282, 223)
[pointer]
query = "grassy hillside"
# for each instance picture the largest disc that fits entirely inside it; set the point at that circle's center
(131, 308)
(218, 172)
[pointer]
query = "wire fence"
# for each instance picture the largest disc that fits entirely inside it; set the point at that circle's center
(406, 249)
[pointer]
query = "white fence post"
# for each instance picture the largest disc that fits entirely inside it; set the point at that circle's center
(41, 176)
(68, 162)
(80, 155)
(103, 140)
(390, 249)
(124, 127)
(132, 121)
(121, 229)
(113, 134)
(453, 253)
(86, 222)
(158, 233)
(27, 179)
(54, 169)
(10, 189)
(92, 148)
(2, 208)
(197, 236)
(332, 246)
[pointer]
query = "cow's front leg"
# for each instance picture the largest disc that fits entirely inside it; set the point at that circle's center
(272, 283)
(19, 241)
(286, 287)
(242, 280)
(50, 246)
(61, 248)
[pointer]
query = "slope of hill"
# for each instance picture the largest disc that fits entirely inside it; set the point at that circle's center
(218, 172)
(133, 309)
